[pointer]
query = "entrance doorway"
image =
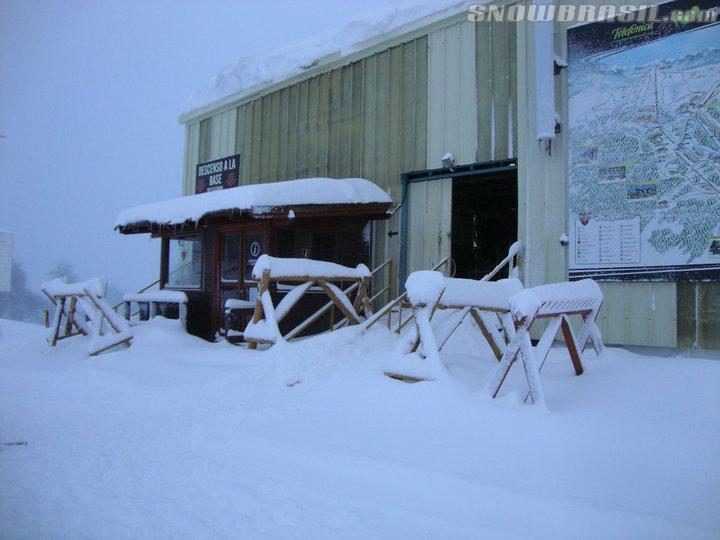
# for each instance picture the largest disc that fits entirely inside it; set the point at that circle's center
(239, 249)
(467, 213)
(484, 221)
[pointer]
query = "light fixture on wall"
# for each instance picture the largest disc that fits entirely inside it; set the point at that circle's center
(448, 160)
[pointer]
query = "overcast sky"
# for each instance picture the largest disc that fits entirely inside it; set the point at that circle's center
(90, 94)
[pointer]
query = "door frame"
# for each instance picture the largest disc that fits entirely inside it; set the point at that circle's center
(428, 175)
(242, 230)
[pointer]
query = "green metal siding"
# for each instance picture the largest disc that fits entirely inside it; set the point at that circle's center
(496, 72)
(365, 119)
(368, 118)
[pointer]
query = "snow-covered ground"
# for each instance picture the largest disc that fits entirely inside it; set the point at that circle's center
(179, 438)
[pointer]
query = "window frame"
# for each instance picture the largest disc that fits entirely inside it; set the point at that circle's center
(165, 262)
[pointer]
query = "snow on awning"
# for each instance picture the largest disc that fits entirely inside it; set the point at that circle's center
(257, 200)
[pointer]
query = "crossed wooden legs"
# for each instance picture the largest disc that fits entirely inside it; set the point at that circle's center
(533, 358)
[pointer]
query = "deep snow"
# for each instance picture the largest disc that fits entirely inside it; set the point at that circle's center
(176, 437)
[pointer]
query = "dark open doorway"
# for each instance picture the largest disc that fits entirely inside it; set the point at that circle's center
(484, 221)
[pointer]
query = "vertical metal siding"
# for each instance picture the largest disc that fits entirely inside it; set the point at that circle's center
(638, 313)
(222, 140)
(496, 68)
(205, 140)
(452, 94)
(368, 119)
(192, 144)
(429, 219)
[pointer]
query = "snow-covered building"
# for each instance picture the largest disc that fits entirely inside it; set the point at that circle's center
(586, 142)
(212, 240)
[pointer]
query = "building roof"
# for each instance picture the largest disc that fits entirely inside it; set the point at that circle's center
(251, 74)
(308, 196)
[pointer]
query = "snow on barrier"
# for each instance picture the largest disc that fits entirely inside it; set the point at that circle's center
(83, 307)
(517, 309)
(264, 326)
(154, 299)
(556, 302)
(488, 302)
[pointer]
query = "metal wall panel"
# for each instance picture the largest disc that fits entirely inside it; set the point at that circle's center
(222, 139)
(452, 94)
(366, 119)
(192, 145)
(429, 219)
(496, 69)
(205, 140)
(360, 119)
(639, 313)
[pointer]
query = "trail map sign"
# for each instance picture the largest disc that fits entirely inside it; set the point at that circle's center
(217, 174)
(644, 171)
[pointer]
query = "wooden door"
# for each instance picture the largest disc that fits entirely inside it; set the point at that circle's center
(239, 248)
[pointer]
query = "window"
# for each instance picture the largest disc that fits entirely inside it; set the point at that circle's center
(185, 262)
(230, 254)
(304, 244)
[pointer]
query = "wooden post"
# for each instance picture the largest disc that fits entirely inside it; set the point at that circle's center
(571, 345)
(69, 319)
(59, 307)
(361, 294)
(259, 313)
(490, 338)
(331, 294)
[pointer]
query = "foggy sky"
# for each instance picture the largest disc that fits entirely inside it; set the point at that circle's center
(90, 94)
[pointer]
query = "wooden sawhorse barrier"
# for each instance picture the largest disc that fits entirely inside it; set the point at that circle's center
(429, 291)
(83, 307)
(306, 273)
(556, 302)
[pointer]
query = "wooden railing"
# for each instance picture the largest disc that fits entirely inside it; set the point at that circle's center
(116, 306)
(401, 303)
(329, 307)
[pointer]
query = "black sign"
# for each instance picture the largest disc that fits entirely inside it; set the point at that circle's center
(217, 174)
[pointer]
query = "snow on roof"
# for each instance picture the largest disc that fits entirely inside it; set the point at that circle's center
(256, 199)
(252, 73)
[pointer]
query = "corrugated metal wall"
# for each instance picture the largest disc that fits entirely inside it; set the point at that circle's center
(366, 119)
(471, 89)
(190, 157)
(452, 94)
(399, 109)
(496, 74)
(429, 220)
(222, 138)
